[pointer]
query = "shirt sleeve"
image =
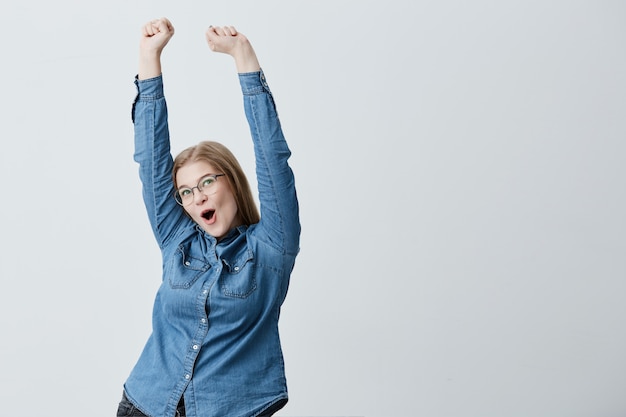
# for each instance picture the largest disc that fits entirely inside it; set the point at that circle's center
(277, 193)
(152, 153)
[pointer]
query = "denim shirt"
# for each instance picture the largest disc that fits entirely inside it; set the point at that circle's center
(214, 333)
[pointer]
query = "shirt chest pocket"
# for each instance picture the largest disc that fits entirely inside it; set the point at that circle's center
(183, 269)
(238, 278)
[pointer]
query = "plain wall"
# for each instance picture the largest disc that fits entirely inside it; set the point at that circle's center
(461, 169)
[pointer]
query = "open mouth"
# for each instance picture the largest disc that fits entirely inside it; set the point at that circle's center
(208, 214)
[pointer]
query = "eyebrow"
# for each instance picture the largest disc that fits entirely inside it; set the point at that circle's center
(199, 179)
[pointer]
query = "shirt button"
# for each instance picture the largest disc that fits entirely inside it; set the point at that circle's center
(236, 268)
(204, 292)
(187, 376)
(187, 263)
(195, 347)
(203, 320)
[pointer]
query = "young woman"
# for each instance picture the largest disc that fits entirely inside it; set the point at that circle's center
(214, 348)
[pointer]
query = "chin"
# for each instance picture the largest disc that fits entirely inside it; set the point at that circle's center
(215, 232)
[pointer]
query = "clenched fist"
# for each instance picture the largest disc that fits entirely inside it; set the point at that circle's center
(155, 35)
(227, 40)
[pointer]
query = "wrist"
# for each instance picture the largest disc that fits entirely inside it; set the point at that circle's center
(149, 54)
(245, 58)
(149, 65)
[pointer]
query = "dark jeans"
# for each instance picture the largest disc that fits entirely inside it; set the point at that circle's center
(274, 408)
(127, 409)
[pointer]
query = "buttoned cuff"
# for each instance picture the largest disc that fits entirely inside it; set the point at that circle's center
(253, 83)
(151, 88)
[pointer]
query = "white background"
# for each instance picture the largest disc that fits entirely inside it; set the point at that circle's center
(461, 168)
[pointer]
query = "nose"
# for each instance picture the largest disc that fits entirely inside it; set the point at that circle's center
(198, 196)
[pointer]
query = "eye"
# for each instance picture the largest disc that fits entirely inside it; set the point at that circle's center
(207, 182)
(184, 192)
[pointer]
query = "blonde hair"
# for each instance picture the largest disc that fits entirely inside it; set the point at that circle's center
(222, 159)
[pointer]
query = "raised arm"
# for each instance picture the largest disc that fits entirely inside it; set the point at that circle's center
(152, 140)
(279, 224)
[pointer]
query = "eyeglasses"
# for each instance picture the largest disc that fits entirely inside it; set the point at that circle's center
(184, 196)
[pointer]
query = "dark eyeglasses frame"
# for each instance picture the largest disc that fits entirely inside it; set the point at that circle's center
(199, 187)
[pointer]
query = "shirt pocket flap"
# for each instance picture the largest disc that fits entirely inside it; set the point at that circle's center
(236, 263)
(185, 269)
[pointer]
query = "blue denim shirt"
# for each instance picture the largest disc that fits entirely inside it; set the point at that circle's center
(215, 320)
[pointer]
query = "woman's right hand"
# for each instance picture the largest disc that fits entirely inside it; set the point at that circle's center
(155, 34)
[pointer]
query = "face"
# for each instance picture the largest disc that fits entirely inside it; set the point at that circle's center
(214, 208)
